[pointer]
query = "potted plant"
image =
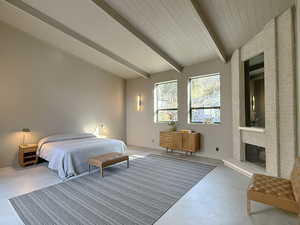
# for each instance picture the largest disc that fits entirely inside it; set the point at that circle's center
(172, 123)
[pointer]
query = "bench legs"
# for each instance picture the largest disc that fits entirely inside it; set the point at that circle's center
(102, 168)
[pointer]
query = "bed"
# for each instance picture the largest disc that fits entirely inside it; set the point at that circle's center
(68, 154)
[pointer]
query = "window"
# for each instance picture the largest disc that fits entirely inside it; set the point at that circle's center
(165, 100)
(204, 98)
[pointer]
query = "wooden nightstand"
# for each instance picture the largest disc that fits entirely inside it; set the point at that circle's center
(27, 154)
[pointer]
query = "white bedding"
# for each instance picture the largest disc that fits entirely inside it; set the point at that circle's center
(68, 154)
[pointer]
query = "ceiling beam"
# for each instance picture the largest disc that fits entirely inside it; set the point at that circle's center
(121, 20)
(61, 27)
(215, 41)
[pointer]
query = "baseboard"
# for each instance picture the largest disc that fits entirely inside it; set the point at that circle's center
(243, 167)
(200, 153)
(237, 168)
(146, 148)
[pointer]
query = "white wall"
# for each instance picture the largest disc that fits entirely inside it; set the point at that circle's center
(141, 129)
(50, 92)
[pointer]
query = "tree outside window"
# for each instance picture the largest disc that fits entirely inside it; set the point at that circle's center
(166, 106)
(204, 95)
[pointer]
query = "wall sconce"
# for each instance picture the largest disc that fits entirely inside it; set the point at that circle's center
(253, 103)
(25, 131)
(139, 103)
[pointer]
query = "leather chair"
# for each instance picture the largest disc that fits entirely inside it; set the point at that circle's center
(279, 192)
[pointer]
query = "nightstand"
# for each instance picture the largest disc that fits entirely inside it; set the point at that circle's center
(27, 154)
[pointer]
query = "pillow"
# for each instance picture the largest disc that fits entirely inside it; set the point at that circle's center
(63, 137)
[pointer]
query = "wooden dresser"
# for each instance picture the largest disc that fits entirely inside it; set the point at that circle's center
(178, 140)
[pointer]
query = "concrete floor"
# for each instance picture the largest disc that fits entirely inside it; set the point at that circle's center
(218, 199)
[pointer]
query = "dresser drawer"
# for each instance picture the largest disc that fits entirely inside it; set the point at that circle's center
(33, 149)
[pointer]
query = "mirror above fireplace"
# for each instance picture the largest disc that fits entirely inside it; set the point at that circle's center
(255, 92)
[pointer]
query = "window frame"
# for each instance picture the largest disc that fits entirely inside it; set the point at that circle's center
(156, 110)
(190, 108)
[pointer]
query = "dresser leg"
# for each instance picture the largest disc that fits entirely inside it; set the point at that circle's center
(248, 207)
(127, 163)
(101, 171)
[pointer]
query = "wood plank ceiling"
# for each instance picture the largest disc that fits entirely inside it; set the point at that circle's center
(173, 24)
(132, 38)
(237, 21)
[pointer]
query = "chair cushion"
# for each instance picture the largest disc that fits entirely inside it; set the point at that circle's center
(274, 186)
(273, 191)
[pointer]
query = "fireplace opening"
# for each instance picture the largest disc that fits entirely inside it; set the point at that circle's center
(255, 155)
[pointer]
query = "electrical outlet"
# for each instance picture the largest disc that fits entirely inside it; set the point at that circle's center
(217, 149)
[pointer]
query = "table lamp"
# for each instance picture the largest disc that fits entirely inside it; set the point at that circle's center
(25, 131)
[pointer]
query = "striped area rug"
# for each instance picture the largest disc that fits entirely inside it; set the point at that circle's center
(139, 195)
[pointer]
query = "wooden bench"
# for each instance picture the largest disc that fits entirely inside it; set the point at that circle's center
(108, 159)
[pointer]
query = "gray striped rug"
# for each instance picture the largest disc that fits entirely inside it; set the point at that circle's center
(139, 195)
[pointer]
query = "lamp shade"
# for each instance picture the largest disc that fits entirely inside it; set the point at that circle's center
(26, 130)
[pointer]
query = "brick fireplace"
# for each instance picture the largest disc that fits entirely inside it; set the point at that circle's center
(278, 137)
